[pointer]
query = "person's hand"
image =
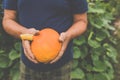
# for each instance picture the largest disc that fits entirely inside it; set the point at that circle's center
(65, 40)
(26, 46)
(27, 51)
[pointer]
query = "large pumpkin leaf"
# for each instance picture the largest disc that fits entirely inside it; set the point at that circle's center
(5, 62)
(97, 76)
(77, 52)
(97, 22)
(13, 54)
(109, 75)
(98, 51)
(101, 36)
(16, 75)
(111, 52)
(94, 43)
(89, 76)
(99, 66)
(75, 64)
(96, 10)
(1, 51)
(84, 51)
(100, 77)
(95, 57)
(77, 74)
(17, 46)
(79, 41)
(87, 66)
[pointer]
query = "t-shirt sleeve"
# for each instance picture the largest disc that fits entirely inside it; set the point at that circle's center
(79, 6)
(9, 4)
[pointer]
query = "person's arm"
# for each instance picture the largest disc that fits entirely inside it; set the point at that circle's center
(78, 28)
(11, 26)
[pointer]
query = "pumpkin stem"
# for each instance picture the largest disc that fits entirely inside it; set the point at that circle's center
(26, 37)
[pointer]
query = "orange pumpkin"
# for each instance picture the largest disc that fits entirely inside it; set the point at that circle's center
(46, 45)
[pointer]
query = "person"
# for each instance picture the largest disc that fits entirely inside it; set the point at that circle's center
(67, 17)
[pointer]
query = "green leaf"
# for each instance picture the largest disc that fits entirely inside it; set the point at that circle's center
(75, 64)
(109, 76)
(95, 57)
(94, 43)
(77, 74)
(17, 46)
(96, 10)
(77, 52)
(96, 22)
(1, 51)
(96, 76)
(96, 25)
(114, 40)
(98, 51)
(109, 64)
(84, 51)
(13, 54)
(110, 71)
(87, 65)
(111, 52)
(90, 76)
(107, 25)
(99, 66)
(79, 41)
(4, 62)
(16, 75)
(101, 35)
(99, 76)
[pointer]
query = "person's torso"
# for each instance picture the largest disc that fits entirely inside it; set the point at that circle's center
(40, 14)
(45, 13)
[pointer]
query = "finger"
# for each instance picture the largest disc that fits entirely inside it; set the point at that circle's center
(60, 53)
(27, 48)
(62, 37)
(57, 58)
(36, 32)
(28, 52)
(29, 57)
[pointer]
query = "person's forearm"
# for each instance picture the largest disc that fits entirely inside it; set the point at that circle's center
(78, 28)
(13, 28)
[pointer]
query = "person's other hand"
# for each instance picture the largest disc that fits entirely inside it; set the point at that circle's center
(65, 40)
(26, 46)
(27, 51)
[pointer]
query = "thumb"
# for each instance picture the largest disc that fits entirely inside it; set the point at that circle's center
(62, 37)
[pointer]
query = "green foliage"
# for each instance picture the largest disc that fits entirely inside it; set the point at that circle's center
(94, 51)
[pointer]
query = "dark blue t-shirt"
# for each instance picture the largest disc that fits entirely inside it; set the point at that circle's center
(56, 14)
